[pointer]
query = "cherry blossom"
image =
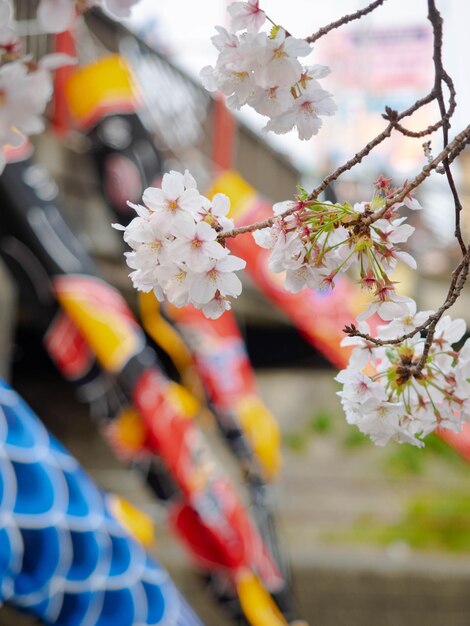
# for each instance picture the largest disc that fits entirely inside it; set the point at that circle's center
(25, 90)
(404, 324)
(263, 70)
(175, 252)
(389, 397)
(195, 244)
(313, 242)
(10, 44)
(304, 113)
(279, 65)
(175, 202)
(218, 277)
(246, 15)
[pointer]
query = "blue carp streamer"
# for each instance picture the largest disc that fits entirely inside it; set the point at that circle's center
(63, 555)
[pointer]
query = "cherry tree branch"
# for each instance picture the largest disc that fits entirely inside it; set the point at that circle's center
(461, 139)
(459, 276)
(432, 127)
(441, 76)
(344, 20)
(441, 162)
(394, 118)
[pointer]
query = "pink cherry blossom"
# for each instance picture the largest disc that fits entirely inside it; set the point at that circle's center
(195, 244)
(174, 247)
(263, 71)
(246, 15)
(304, 114)
(279, 64)
(388, 397)
(218, 277)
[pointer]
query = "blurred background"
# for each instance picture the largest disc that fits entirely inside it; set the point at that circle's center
(375, 536)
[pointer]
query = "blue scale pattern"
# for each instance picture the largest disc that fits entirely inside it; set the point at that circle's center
(63, 556)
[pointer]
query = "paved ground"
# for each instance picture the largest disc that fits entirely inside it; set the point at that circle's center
(333, 483)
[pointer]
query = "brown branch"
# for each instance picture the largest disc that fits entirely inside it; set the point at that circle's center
(457, 285)
(462, 138)
(356, 159)
(344, 20)
(359, 156)
(444, 120)
(455, 153)
(441, 76)
(449, 152)
(459, 276)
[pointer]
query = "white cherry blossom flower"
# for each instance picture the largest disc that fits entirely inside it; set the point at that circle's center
(303, 276)
(218, 277)
(405, 324)
(389, 304)
(267, 237)
(174, 245)
(216, 307)
(264, 72)
(208, 78)
(272, 101)
(196, 245)
(390, 395)
(24, 93)
(304, 114)
(175, 281)
(215, 212)
(279, 63)
(449, 331)
(389, 232)
(225, 42)
(24, 96)
(359, 388)
(173, 202)
(247, 15)
(384, 423)
(411, 203)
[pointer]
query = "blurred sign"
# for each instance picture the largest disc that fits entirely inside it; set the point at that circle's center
(382, 59)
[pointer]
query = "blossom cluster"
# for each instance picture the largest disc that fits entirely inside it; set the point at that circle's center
(175, 252)
(388, 396)
(56, 16)
(263, 70)
(312, 242)
(25, 87)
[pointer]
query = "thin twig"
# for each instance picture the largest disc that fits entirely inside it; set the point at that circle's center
(441, 76)
(458, 275)
(456, 290)
(344, 20)
(359, 156)
(461, 138)
(447, 155)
